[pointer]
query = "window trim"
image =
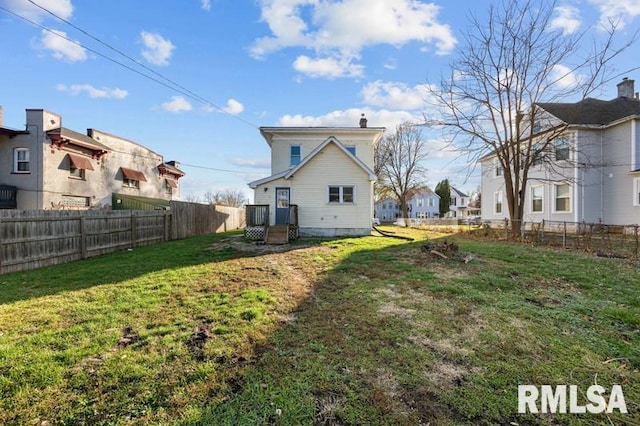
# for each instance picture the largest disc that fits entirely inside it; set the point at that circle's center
(498, 170)
(292, 155)
(16, 161)
(341, 194)
(636, 191)
(130, 183)
(80, 173)
(555, 198)
(533, 199)
(565, 139)
(496, 195)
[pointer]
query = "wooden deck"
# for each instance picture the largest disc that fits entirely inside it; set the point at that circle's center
(259, 229)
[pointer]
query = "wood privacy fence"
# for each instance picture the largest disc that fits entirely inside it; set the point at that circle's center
(36, 238)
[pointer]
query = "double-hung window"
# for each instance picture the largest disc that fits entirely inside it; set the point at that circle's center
(341, 194)
(563, 197)
(294, 155)
(537, 194)
(497, 202)
(21, 160)
(562, 147)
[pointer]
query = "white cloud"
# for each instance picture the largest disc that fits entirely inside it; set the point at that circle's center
(61, 48)
(567, 19)
(338, 29)
(205, 4)
(437, 148)
(256, 163)
(233, 107)
(351, 118)
(327, 67)
(157, 50)
(93, 92)
(565, 78)
(395, 95)
(62, 8)
(177, 104)
(620, 11)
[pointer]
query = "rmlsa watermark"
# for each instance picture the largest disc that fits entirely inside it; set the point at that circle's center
(554, 399)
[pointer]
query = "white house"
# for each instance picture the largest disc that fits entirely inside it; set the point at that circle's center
(48, 166)
(592, 172)
(458, 204)
(321, 180)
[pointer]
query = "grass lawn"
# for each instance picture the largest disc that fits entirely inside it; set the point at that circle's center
(214, 330)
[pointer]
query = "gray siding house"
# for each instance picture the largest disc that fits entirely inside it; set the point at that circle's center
(592, 172)
(458, 205)
(424, 204)
(48, 166)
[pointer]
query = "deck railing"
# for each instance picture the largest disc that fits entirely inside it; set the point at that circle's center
(257, 215)
(8, 197)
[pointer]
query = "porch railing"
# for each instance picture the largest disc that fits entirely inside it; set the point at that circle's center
(257, 215)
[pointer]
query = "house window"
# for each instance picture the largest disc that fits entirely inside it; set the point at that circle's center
(452, 202)
(499, 171)
(420, 202)
(75, 172)
(341, 194)
(561, 147)
(21, 160)
(295, 155)
(430, 202)
(130, 183)
(538, 156)
(636, 191)
(537, 199)
(497, 202)
(563, 198)
(384, 205)
(351, 149)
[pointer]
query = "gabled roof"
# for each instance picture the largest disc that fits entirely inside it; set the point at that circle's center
(593, 111)
(423, 190)
(12, 132)
(460, 194)
(287, 174)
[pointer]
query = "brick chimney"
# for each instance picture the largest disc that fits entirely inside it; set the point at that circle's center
(363, 122)
(625, 89)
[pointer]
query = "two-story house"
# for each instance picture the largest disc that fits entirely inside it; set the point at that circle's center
(326, 173)
(50, 166)
(424, 204)
(458, 204)
(387, 209)
(591, 171)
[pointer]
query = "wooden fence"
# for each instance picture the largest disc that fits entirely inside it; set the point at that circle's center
(36, 238)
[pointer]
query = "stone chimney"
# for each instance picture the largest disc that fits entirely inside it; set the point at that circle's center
(625, 89)
(363, 120)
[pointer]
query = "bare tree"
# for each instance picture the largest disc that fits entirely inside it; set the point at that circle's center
(401, 171)
(514, 60)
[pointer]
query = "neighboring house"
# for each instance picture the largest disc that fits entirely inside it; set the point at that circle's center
(325, 172)
(388, 210)
(458, 205)
(52, 167)
(592, 172)
(424, 204)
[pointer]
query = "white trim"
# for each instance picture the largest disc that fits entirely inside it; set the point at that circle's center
(555, 197)
(636, 191)
(531, 188)
(635, 162)
(496, 195)
(341, 194)
(27, 160)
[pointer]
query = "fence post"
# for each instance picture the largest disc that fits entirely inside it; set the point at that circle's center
(564, 234)
(83, 237)
(506, 229)
(635, 248)
(166, 225)
(542, 232)
(2, 247)
(133, 229)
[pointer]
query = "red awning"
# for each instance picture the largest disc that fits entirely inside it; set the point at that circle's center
(133, 174)
(80, 162)
(172, 183)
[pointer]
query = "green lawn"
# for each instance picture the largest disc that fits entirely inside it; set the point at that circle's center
(213, 330)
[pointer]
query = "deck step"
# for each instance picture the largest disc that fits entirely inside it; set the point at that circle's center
(278, 234)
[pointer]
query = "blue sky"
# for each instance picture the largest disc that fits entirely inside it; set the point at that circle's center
(246, 64)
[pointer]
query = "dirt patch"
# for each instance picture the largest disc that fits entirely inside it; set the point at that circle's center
(446, 374)
(394, 310)
(444, 346)
(197, 340)
(129, 337)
